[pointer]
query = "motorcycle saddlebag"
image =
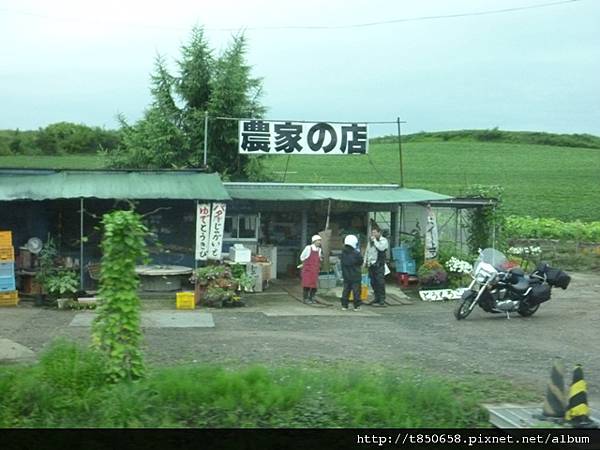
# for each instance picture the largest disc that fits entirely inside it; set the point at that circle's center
(539, 294)
(557, 278)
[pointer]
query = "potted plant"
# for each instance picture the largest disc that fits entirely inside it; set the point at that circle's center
(62, 286)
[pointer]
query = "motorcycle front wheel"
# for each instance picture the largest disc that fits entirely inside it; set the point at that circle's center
(527, 311)
(463, 309)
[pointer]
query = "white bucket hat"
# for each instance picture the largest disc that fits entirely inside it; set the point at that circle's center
(315, 238)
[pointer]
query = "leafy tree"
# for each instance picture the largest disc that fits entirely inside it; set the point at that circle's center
(71, 138)
(171, 132)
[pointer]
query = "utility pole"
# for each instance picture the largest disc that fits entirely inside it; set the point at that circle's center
(205, 135)
(400, 152)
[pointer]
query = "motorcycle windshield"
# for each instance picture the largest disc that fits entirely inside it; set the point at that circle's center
(493, 257)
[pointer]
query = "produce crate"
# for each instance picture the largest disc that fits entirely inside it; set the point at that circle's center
(6, 239)
(185, 300)
(7, 254)
(7, 269)
(7, 284)
(9, 298)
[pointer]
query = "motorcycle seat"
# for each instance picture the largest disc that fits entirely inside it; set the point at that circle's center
(522, 285)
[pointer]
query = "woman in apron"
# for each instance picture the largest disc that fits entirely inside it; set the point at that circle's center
(311, 264)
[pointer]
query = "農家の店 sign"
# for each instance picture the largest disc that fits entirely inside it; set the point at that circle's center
(258, 137)
(210, 223)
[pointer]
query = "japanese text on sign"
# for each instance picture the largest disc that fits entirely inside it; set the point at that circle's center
(217, 225)
(257, 137)
(202, 231)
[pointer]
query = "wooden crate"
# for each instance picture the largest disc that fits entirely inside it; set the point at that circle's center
(9, 298)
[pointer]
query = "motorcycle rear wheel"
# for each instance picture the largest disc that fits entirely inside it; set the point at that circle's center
(463, 309)
(527, 311)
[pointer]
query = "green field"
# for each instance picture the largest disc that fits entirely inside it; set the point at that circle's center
(53, 162)
(539, 180)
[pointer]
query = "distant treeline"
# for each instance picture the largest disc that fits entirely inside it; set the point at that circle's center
(66, 138)
(61, 138)
(496, 135)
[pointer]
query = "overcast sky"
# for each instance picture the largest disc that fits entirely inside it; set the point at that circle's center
(528, 69)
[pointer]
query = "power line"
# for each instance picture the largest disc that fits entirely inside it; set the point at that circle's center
(305, 27)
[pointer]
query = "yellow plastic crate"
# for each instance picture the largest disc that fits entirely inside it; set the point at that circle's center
(185, 300)
(6, 239)
(10, 298)
(7, 254)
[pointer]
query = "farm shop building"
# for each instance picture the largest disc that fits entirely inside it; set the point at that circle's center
(284, 215)
(68, 207)
(265, 217)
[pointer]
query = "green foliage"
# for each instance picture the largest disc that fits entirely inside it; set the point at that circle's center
(171, 133)
(499, 136)
(63, 281)
(547, 228)
(67, 389)
(486, 223)
(116, 329)
(60, 138)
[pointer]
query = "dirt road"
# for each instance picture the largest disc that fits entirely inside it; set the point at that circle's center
(422, 335)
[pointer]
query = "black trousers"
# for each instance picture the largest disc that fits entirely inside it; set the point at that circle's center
(354, 287)
(377, 276)
(308, 293)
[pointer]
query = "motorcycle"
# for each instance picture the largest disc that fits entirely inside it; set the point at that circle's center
(498, 288)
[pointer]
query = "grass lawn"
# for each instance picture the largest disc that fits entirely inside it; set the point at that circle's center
(67, 389)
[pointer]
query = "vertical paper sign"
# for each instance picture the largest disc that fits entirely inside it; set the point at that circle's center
(217, 226)
(202, 231)
(431, 235)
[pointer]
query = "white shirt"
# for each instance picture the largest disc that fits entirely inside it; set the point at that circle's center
(374, 246)
(306, 252)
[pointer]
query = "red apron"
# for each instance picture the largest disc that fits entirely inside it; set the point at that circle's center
(310, 270)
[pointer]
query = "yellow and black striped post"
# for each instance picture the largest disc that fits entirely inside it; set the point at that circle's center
(555, 403)
(578, 411)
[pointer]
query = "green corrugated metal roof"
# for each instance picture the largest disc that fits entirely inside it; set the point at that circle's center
(366, 193)
(46, 185)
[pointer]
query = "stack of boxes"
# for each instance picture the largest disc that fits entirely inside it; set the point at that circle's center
(8, 291)
(404, 262)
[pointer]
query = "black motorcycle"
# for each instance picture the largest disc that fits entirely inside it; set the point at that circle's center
(499, 289)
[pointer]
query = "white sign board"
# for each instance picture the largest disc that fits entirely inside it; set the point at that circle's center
(202, 231)
(217, 225)
(261, 137)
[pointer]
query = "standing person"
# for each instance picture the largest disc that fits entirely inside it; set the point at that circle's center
(376, 256)
(311, 258)
(351, 271)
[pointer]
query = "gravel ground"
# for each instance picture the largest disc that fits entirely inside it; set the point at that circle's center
(422, 336)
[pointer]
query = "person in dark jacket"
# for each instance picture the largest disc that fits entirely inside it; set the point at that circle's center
(351, 271)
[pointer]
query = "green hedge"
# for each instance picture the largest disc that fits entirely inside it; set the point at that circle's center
(547, 228)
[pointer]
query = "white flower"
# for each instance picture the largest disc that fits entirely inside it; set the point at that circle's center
(458, 266)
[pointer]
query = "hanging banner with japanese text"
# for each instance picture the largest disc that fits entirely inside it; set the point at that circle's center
(202, 231)
(431, 235)
(261, 137)
(217, 226)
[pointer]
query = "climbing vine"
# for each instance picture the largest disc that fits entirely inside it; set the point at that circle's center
(116, 329)
(486, 223)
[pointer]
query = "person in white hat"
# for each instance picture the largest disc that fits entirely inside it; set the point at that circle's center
(351, 271)
(311, 258)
